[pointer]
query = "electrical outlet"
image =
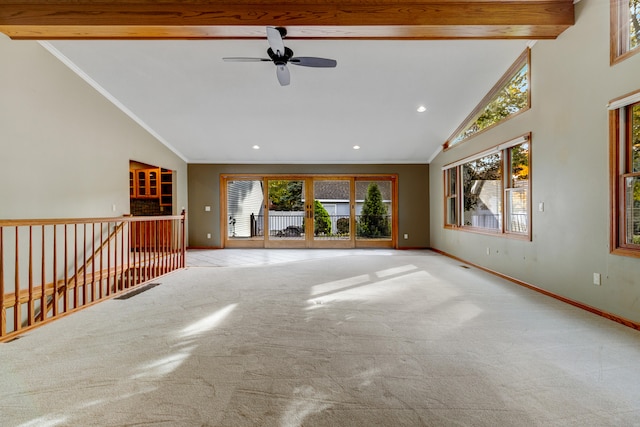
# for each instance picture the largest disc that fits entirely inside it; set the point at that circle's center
(488, 251)
(208, 235)
(596, 279)
(406, 236)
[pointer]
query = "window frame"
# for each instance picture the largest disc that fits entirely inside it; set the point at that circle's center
(619, 32)
(523, 59)
(451, 197)
(620, 168)
(455, 169)
(510, 187)
(500, 201)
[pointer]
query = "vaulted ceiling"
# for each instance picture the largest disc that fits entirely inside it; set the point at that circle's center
(161, 63)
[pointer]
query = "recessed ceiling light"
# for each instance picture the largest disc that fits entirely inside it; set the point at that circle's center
(422, 109)
(256, 147)
(356, 147)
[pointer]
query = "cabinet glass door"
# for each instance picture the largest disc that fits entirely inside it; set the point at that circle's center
(153, 184)
(142, 183)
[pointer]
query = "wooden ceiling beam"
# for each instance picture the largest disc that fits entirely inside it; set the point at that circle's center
(368, 19)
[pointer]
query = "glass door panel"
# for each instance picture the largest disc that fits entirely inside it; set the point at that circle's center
(153, 183)
(332, 223)
(374, 211)
(286, 214)
(245, 210)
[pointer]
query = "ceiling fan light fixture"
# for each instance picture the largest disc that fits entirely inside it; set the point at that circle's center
(281, 55)
(421, 109)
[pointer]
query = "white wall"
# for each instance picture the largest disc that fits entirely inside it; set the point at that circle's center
(571, 83)
(65, 149)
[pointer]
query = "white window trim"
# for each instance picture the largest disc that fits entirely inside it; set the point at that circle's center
(624, 101)
(493, 150)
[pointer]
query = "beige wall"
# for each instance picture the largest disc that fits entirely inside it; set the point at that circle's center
(65, 149)
(413, 196)
(572, 83)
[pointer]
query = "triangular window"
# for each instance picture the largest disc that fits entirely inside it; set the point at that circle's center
(509, 96)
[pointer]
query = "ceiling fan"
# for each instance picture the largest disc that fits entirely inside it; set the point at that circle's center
(281, 55)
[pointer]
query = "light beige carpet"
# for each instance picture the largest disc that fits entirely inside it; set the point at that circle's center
(376, 338)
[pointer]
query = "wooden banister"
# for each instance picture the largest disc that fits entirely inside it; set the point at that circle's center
(3, 313)
(64, 285)
(67, 269)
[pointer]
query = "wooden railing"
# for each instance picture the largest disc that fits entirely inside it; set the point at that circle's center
(52, 267)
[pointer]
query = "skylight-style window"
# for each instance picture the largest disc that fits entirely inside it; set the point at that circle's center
(508, 97)
(625, 29)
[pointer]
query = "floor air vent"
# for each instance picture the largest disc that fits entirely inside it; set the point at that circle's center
(137, 291)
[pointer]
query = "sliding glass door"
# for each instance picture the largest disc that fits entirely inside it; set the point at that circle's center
(316, 211)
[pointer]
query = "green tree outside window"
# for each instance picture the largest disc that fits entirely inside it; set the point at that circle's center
(321, 219)
(374, 220)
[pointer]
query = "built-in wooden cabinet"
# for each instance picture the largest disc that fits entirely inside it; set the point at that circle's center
(153, 183)
(166, 187)
(147, 183)
(132, 184)
(151, 193)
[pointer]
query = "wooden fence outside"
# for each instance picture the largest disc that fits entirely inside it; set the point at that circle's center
(53, 267)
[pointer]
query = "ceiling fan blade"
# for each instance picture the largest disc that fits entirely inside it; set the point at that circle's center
(244, 59)
(282, 72)
(310, 61)
(275, 41)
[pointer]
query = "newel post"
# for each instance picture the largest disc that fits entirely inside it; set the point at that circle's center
(183, 248)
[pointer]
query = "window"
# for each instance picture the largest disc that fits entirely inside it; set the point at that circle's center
(482, 192)
(517, 192)
(494, 189)
(509, 96)
(451, 195)
(625, 29)
(625, 175)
